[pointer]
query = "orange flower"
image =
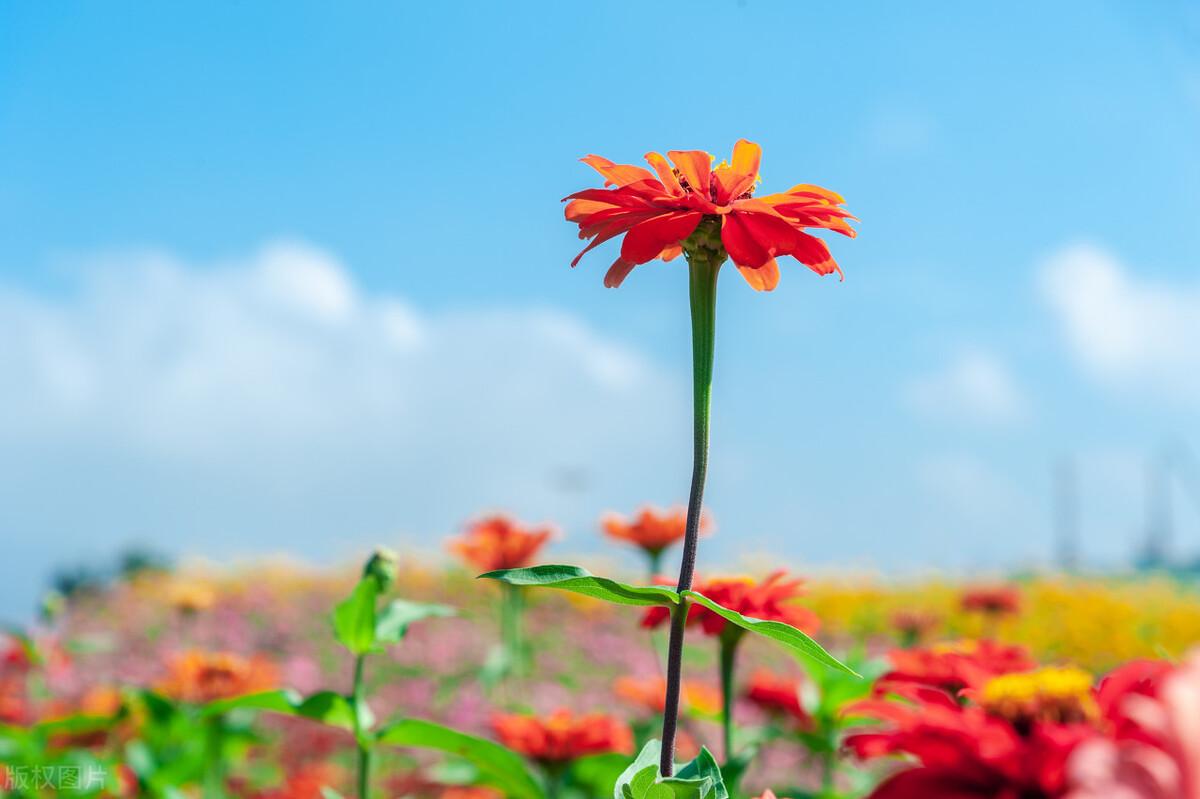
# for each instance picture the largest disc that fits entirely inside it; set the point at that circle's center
(201, 677)
(562, 737)
(999, 600)
(652, 530)
(499, 542)
(773, 599)
(657, 214)
(651, 693)
(471, 792)
(777, 695)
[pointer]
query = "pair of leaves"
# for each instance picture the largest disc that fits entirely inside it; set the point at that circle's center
(362, 628)
(580, 581)
(698, 779)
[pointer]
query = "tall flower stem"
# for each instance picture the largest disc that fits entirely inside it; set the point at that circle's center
(364, 751)
(704, 261)
(730, 638)
(511, 634)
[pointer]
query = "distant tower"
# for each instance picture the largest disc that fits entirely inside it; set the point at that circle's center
(1156, 546)
(1066, 514)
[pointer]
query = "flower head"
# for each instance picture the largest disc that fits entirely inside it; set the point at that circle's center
(997, 600)
(687, 203)
(561, 736)
(777, 695)
(200, 677)
(955, 667)
(772, 599)
(499, 542)
(1059, 695)
(651, 529)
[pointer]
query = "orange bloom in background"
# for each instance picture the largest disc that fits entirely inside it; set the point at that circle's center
(561, 736)
(773, 599)
(998, 600)
(778, 696)
(499, 542)
(651, 529)
(200, 677)
(657, 211)
(650, 693)
(966, 665)
(471, 792)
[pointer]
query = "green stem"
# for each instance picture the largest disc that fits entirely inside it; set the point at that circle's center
(214, 765)
(703, 266)
(654, 556)
(511, 633)
(364, 751)
(729, 645)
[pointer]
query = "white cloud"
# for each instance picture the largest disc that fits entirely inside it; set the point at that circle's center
(269, 403)
(1125, 330)
(974, 387)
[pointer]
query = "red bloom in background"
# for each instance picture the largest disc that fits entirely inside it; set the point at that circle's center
(561, 736)
(1013, 744)
(650, 693)
(651, 529)
(773, 599)
(997, 600)
(657, 211)
(499, 542)
(778, 696)
(955, 667)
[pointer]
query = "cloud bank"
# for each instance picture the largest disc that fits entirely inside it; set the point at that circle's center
(268, 403)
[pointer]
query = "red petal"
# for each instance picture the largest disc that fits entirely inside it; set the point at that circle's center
(617, 273)
(740, 243)
(646, 240)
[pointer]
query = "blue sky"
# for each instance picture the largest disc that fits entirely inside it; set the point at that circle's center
(289, 277)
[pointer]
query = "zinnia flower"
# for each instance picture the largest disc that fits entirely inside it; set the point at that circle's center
(1153, 748)
(999, 600)
(562, 737)
(778, 696)
(773, 599)
(1013, 744)
(499, 542)
(955, 667)
(651, 529)
(201, 677)
(658, 211)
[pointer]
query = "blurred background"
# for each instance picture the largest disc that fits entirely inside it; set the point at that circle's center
(279, 278)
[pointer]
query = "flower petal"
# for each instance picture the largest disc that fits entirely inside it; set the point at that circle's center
(695, 166)
(764, 278)
(617, 273)
(665, 173)
(646, 240)
(617, 174)
(741, 244)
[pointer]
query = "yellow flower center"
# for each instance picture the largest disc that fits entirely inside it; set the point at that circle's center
(1053, 694)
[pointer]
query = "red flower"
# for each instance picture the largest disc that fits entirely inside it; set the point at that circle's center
(499, 542)
(997, 600)
(652, 530)
(955, 667)
(562, 737)
(777, 695)
(657, 214)
(1014, 744)
(773, 599)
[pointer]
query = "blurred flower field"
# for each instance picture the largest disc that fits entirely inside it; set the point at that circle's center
(192, 682)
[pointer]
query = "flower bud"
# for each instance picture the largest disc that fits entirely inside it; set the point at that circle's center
(382, 567)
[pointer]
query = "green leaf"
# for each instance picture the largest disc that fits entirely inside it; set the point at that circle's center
(330, 793)
(699, 779)
(581, 581)
(498, 766)
(598, 774)
(354, 617)
(786, 634)
(393, 621)
(326, 707)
